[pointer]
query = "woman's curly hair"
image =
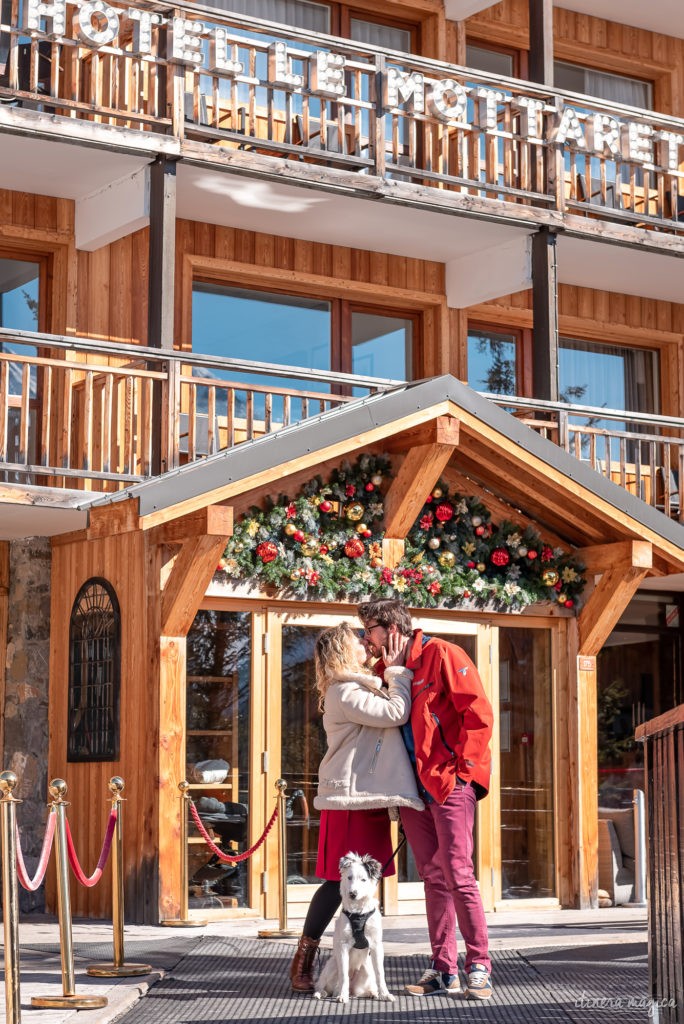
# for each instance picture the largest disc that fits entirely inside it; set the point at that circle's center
(333, 655)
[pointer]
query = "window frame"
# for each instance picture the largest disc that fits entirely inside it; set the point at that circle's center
(523, 351)
(341, 310)
(114, 752)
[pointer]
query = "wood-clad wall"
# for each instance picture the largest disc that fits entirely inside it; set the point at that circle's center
(595, 42)
(124, 561)
(112, 290)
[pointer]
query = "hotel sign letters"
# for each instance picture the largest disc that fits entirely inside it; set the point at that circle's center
(214, 49)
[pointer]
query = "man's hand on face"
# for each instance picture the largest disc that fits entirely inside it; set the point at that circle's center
(395, 651)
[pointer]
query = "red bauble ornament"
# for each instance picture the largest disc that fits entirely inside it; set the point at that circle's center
(532, 554)
(479, 531)
(350, 490)
(500, 556)
(428, 500)
(569, 603)
(466, 594)
(354, 548)
(558, 586)
(470, 565)
(323, 550)
(267, 551)
(299, 536)
(444, 512)
(367, 533)
(370, 487)
(325, 506)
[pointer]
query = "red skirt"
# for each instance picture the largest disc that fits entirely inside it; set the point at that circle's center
(342, 832)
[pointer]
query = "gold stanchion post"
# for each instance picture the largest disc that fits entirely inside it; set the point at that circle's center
(184, 920)
(10, 895)
(118, 969)
(282, 932)
(58, 791)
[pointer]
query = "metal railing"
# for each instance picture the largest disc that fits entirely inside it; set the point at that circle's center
(75, 412)
(196, 73)
(663, 740)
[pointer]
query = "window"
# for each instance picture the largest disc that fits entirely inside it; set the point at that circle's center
(19, 311)
(495, 62)
(330, 18)
(493, 360)
(609, 376)
(631, 92)
(94, 674)
(307, 332)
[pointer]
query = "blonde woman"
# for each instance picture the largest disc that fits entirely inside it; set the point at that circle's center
(365, 770)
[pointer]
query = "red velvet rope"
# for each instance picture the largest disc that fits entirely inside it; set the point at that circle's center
(106, 847)
(22, 874)
(226, 857)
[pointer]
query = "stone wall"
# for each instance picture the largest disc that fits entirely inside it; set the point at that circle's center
(26, 695)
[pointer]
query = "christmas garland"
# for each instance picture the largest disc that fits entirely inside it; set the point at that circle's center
(326, 544)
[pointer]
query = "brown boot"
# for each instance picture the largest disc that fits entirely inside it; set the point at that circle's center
(301, 968)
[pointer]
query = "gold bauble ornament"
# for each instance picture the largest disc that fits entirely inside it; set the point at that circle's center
(376, 562)
(447, 559)
(550, 577)
(437, 492)
(308, 548)
(354, 512)
(376, 479)
(289, 529)
(481, 567)
(361, 528)
(239, 547)
(434, 543)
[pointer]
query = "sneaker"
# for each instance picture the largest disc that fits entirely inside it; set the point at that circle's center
(434, 981)
(479, 985)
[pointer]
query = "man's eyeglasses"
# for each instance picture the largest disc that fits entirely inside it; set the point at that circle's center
(369, 627)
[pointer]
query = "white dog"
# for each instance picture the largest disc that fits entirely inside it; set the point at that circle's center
(356, 965)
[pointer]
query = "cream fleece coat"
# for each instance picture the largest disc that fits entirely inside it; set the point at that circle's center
(366, 764)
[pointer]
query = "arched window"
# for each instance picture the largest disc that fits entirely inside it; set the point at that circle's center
(94, 674)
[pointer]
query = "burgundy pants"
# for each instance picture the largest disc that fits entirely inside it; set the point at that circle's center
(441, 838)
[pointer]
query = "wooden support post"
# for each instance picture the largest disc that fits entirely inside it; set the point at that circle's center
(545, 313)
(171, 769)
(605, 606)
(541, 41)
(4, 621)
(160, 318)
(586, 802)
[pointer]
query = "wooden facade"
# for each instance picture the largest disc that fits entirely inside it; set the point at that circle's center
(110, 419)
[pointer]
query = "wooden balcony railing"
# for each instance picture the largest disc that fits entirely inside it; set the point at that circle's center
(75, 412)
(663, 739)
(81, 413)
(641, 452)
(201, 75)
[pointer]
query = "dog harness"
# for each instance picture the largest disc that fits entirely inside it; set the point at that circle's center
(358, 927)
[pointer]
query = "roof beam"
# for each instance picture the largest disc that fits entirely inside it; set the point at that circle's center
(614, 591)
(418, 474)
(442, 430)
(187, 582)
(212, 521)
(601, 558)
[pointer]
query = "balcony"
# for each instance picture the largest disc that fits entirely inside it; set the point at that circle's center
(79, 414)
(235, 93)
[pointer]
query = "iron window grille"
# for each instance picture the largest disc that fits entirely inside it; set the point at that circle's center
(94, 674)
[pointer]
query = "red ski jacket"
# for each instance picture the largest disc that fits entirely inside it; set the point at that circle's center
(451, 718)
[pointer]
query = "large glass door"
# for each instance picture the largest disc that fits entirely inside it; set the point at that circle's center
(303, 746)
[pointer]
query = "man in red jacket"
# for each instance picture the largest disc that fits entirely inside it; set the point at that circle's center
(447, 738)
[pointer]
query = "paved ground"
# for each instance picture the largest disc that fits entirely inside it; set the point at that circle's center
(564, 966)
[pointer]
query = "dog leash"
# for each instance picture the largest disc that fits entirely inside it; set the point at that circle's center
(402, 842)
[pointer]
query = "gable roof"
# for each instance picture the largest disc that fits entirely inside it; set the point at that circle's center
(510, 459)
